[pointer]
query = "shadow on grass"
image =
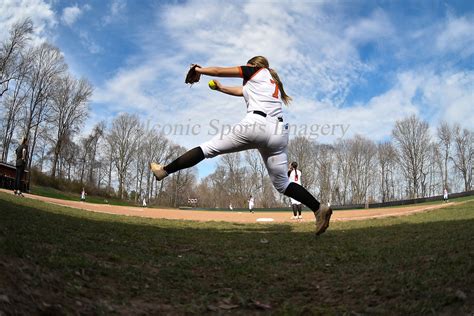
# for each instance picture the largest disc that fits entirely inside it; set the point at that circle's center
(59, 260)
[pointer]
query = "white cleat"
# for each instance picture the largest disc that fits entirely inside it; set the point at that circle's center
(294, 217)
(300, 216)
(158, 170)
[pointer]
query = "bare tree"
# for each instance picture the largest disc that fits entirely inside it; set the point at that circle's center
(235, 175)
(205, 194)
(269, 195)
(341, 186)
(96, 135)
(69, 109)
(68, 158)
(124, 137)
(13, 103)
(362, 155)
(47, 65)
(109, 155)
(42, 155)
(445, 136)
(412, 138)
(11, 52)
(302, 150)
(179, 185)
(218, 189)
(386, 154)
(141, 166)
(86, 144)
(183, 182)
(432, 183)
(324, 180)
(463, 158)
(257, 174)
(155, 148)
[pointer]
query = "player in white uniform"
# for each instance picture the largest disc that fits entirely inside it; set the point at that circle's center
(262, 128)
(295, 176)
(83, 195)
(251, 203)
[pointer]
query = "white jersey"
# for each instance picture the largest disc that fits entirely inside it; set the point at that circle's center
(251, 203)
(260, 91)
(295, 176)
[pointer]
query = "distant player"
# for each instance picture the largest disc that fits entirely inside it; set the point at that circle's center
(251, 203)
(262, 128)
(83, 195)
(295, 176)
(144, 202)
(21, 163)
(445, 195)
(231, 207)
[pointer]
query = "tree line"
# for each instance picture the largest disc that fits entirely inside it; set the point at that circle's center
(41, 99)
(356, 170)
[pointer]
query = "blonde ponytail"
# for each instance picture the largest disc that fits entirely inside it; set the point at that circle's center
(285, 97)
(262, 62)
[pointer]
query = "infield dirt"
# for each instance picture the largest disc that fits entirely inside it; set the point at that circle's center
(237, 217)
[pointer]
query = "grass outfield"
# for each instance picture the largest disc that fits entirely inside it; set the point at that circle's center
(57, 194)
(57, 260)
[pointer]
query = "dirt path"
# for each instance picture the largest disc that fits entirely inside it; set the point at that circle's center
(240, 217)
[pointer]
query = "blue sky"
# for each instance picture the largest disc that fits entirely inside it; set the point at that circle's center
(357, 64)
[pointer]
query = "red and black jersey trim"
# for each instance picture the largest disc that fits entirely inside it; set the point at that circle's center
(247, 72)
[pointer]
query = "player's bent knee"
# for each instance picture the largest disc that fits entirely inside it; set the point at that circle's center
(281, 186)
(208, 151)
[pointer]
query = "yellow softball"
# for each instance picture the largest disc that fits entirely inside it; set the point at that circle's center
(212, 85)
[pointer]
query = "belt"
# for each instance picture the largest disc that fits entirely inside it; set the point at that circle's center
(280, 119)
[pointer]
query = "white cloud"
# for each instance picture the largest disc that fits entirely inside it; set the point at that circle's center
(116, 11)
(373, 119)
(70, 15)
(89, 43)
(128, 88)
(456, 36)
(434, 97)
(40, 12)
(376, 27)
(450, 96)
(446, 40)
(316, 52)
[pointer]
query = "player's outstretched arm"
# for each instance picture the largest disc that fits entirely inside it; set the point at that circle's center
(219, 71)
(235, 91)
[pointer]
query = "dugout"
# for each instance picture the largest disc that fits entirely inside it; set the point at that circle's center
(7, 177)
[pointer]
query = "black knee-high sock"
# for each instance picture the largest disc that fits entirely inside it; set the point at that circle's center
(299, 193)
(187, 160)
(294, 207)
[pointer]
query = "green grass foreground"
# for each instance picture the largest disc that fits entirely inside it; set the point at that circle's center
(57, 260)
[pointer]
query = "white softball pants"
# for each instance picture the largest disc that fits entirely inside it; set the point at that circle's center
(266, 134)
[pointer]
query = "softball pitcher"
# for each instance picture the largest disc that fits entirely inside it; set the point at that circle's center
(262, 128)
